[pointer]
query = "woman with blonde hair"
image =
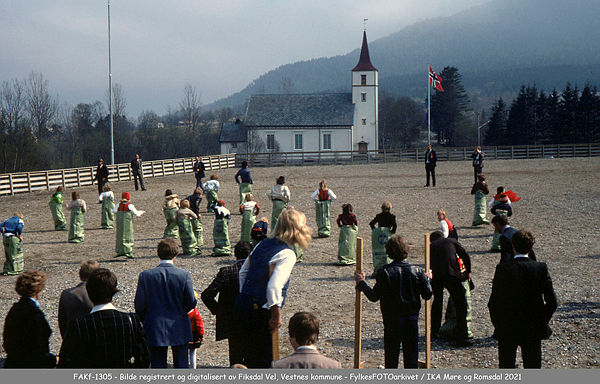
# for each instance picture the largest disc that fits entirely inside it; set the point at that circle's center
(264, 279)
(323, 197)
(56, 202)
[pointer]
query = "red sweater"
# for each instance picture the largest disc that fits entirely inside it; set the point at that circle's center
(197, 324)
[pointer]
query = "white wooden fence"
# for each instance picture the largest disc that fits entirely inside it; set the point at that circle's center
(23, 182)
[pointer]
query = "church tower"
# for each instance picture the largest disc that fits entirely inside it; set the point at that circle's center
(365, 86)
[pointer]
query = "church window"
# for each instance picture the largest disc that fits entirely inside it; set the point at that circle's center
(298, 141)
(233, 145)
(364, 121)
(271, 141)
(363, 96)
(327, 141)
(363, 79)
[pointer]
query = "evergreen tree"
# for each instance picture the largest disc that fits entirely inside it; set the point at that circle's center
(496, 133)
(447, 108)
(567, 115)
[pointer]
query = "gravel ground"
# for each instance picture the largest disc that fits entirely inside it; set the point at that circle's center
(560, 199)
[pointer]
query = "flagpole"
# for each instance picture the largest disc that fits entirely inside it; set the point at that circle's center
(428, 108)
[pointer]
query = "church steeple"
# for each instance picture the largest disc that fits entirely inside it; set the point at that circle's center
(364, 63)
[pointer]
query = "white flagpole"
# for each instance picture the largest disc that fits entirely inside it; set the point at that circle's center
(428, 109)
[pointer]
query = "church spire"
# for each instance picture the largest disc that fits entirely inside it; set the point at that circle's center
(364, 63)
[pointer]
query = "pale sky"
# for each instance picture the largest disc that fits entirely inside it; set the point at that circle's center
(218, 46)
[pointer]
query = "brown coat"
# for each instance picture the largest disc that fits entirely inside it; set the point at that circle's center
(307, 358)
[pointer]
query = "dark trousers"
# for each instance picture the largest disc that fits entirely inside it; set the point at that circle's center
(236, 347)
(401, 331)
(530, 350)
(457, 293)
(139, 176)
(158, 356)
(253, 324)
(198, 181)
(100, 186)
(477, 171)
(430, 170)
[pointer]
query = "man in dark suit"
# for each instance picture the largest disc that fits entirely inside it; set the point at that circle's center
(304, 332)
(430, 163)
(447, 274)
(198, 169)
(138, 172)
(163, 298)
(501, 226)
(106, 337)
(227, 285)
(101, 175)
(477, 157)
(74, 302)
(521, 305)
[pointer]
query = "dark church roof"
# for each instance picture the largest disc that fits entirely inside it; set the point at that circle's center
(232, 132)
(297, 110)
(364, 63)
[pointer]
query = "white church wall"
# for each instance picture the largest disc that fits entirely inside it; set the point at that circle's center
(311, 139)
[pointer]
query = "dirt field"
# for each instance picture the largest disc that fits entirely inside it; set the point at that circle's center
(561, 201)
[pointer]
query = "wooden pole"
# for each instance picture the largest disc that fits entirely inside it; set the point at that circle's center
(275, 333)
(358, 307)
(427, 311)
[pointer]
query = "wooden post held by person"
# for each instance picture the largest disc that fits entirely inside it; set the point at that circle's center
(427, 310)
(275, 333)
(358, 307)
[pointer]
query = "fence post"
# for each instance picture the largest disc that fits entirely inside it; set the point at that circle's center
(78, 179)
(464, 153)
(129, 170)
(496, 152)
(558, 151)
(589, 149)
(574, 150)
(10, 184)
(512, 152)
(47, 181)
(527, 152)
(543, 151)
(173, 165)
(28, 182)
(416, 155)
(62, 174)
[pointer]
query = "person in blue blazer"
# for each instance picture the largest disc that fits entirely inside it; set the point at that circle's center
(163, 298)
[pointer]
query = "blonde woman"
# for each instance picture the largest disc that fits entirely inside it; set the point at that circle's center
(258, 306)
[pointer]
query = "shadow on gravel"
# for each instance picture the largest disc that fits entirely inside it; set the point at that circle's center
(583, 310)
(47, 242)
(331, 279)
(595, 257)
(445, 344)
(45, 231)
(317, 264)
(476, 236)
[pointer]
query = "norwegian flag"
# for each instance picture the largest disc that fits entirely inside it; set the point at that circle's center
(435, 80)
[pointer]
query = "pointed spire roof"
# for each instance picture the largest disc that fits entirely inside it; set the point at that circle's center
(364, 63)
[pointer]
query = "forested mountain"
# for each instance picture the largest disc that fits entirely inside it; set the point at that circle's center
(497, 47)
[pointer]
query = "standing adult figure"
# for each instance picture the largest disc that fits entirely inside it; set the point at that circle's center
(56, 207)
(138, 172)
(101, 175)
(26, 330)
(74, 302)
(430, 163)
(280, 195)
(105, 337)
(12, 237)
(244, 179)
(506, 232)
(521, 305)
(124, 238)
(198, 169)
(227, 286)
(257, 308)
(477, 157)
(163, 298)
(323, 196)
(400, 287)
(78, 208)
(447, 274)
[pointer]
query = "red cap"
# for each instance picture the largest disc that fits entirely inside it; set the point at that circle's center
(222, 203)
(125, 196)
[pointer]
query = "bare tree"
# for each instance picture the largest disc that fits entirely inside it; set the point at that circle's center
(119, 103)
(13, 103)
(40, 106)
(190, 106)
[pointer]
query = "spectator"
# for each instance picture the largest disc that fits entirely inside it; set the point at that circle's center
(163, 298)
(101, 175)
(74, 302)
(304, 333)
(477, 157)
(399, 286)
(430, 163)
(226, 284)
(257, 308)
(197, 334)
(26, 330)
(521, 305)
(138, 172)
(198, 169)
(106, 337)
(12, 237)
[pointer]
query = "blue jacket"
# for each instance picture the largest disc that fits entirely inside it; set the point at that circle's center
(244, 174)
(163, 298)
(13, 225)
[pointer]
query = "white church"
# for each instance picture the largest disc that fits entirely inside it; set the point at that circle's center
(311, 122)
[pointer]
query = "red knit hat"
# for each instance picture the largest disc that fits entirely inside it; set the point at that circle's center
(125, 196)
(222, 203)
